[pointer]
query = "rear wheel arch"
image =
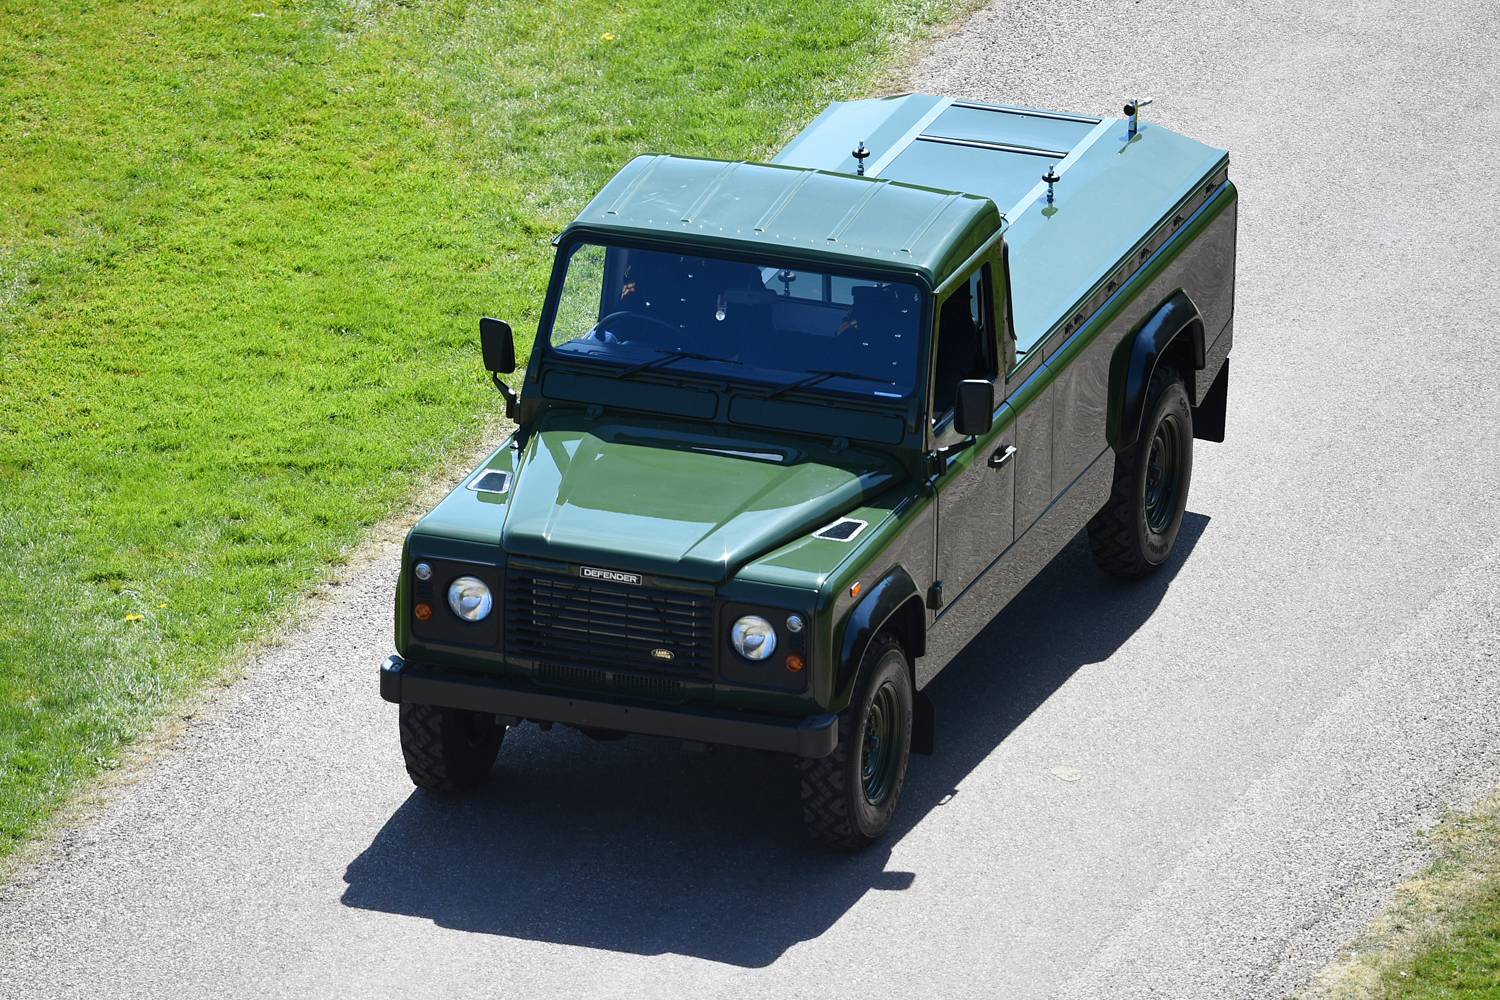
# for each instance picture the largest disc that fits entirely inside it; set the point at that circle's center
(1171, 335)
(1185, 353)
(1136, 529)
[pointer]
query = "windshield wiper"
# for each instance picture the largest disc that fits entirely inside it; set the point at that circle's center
(822, 375)
(671, 357)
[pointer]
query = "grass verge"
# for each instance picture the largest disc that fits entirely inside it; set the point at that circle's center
(1440, 939)
(243, 251)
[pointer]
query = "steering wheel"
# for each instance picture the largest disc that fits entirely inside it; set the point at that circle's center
(631, 316)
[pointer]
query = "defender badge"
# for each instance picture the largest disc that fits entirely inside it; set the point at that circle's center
(610, 575)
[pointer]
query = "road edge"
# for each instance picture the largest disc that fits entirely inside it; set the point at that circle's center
(1425, 910)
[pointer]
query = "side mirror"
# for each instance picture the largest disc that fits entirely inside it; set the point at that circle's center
(498, 345)
(975, 413)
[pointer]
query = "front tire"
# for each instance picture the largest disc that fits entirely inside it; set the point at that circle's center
(448, 749)
(1137, 528)
(850, 796)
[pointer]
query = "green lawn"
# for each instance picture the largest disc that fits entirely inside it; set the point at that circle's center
(243, 251)
(1439, 939)
(1460, 958)
(1466, 966)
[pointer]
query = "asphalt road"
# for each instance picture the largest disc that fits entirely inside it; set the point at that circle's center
(1197, 786)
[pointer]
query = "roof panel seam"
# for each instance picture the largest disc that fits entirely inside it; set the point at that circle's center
(711, 189)
(899, 146)
(855, 209)
(782, 201)
(911, 241)
(634, 186)
(1062, 166)
(1013, 109)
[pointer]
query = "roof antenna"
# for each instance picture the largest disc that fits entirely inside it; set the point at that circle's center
(1133, 112)
(1051, 177)
(860, 153)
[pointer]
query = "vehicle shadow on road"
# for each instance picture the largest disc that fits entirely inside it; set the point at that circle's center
(640, 847)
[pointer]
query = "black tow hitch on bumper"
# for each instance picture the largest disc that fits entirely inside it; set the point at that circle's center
(813, 736)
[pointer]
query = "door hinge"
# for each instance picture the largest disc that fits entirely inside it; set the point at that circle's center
(935, 596)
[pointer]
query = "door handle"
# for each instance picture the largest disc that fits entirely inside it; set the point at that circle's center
(1002, 455)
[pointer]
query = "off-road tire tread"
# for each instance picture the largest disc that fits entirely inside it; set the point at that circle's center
(432, 760)
(1113, 537)
(825, 781)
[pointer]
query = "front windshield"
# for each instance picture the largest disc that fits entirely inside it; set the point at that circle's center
(755, 322)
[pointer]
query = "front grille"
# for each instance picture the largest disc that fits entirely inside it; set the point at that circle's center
(570, 621)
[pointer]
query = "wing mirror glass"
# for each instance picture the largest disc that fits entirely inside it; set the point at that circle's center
(975, 413)
(498, 345)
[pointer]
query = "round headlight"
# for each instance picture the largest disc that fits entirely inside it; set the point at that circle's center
(470, 599)
(753, 637)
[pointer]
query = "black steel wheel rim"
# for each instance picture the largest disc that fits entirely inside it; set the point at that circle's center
(878, 756)
(1163, 474)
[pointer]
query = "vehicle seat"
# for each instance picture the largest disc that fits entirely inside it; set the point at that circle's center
(714, 288)
(647, 288)
(871, 336)
(960, 349)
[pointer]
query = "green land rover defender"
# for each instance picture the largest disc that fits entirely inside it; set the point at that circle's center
(792, 433)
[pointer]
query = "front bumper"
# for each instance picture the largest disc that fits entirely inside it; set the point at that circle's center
(813, 736)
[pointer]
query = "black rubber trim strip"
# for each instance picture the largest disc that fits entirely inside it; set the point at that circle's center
(998, 147)
(814, 736)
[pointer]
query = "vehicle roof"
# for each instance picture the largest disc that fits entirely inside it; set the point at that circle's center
(942, 176)
(801, 212)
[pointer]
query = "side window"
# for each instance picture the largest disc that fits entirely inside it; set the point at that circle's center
(966, 339)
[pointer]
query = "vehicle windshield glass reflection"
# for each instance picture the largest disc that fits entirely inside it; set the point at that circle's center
(633, 310)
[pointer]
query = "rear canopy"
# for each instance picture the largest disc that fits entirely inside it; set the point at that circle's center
(1113, 186)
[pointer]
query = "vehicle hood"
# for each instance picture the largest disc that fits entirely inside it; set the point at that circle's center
(653, 500)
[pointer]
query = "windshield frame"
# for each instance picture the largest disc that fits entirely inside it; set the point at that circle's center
(571, 240)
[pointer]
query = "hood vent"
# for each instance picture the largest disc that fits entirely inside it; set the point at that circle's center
(845, 529)
(491, 481)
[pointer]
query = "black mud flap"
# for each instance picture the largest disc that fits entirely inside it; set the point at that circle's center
(1209, 416)
(923, 724)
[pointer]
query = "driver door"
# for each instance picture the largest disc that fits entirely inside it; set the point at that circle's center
(975, 479)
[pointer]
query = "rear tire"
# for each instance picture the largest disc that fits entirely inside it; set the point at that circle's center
(448, 749)
(850, 796)
(1137, 528)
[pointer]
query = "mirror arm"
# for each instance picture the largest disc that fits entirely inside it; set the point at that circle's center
(958, 446)
(937, 461)
(511, 399)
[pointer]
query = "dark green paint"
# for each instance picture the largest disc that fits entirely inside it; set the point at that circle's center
(668, 500)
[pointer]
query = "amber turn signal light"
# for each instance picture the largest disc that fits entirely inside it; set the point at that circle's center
(794, 663)
(423, 612)
(855, 589)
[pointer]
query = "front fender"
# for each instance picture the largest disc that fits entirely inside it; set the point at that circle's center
(875, 610)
